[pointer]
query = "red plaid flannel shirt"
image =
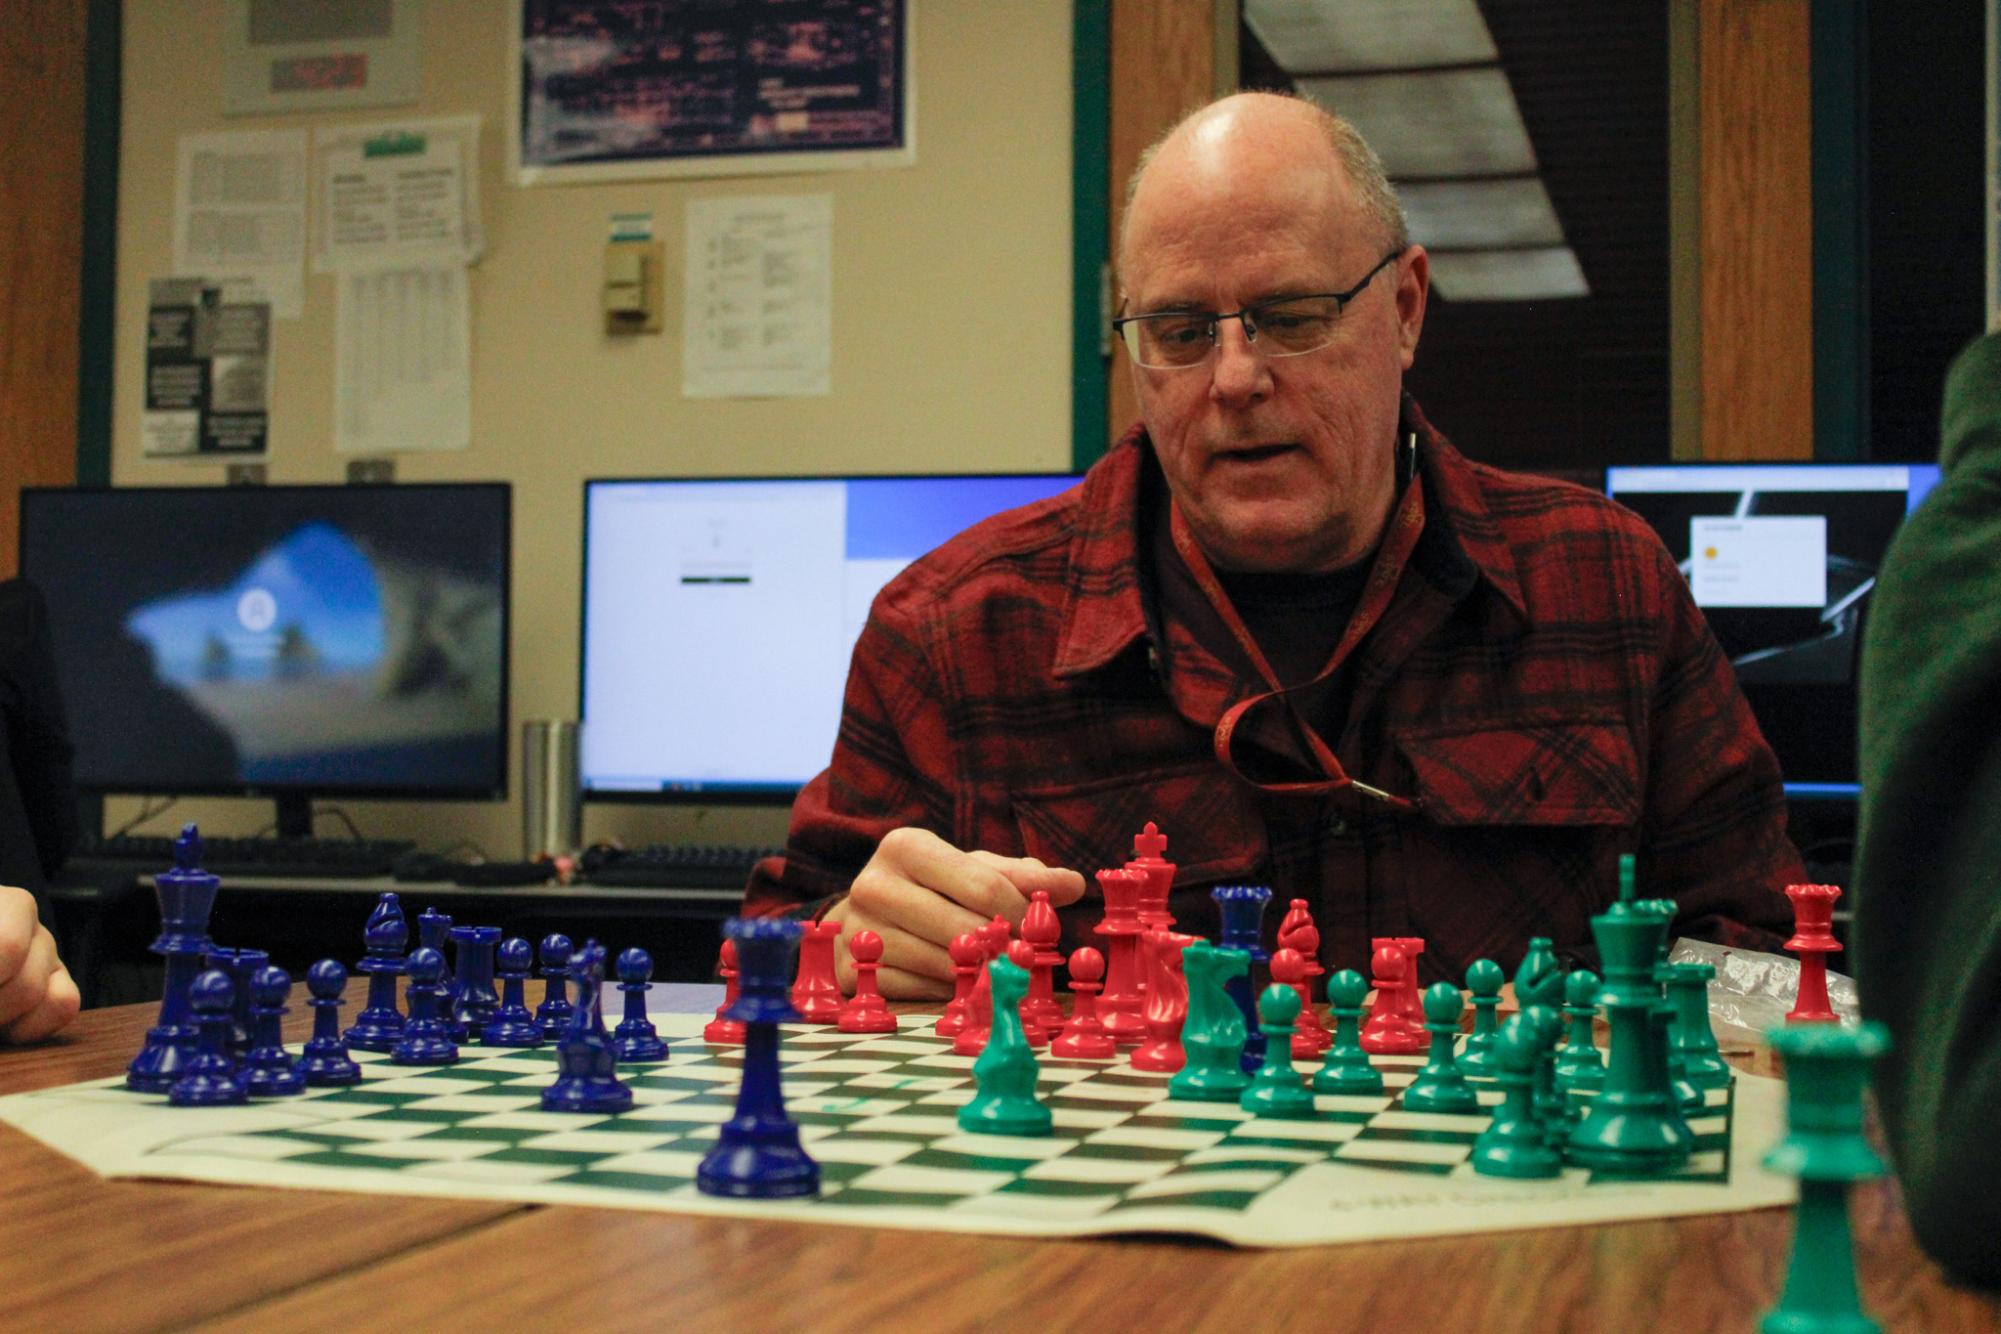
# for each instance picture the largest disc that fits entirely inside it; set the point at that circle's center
(1541, 681)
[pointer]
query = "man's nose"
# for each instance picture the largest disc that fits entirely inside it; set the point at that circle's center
(1240, 373)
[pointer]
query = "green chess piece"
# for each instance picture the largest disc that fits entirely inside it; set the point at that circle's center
(1213, 1033)
(1484, 980)
(1005, 1073)
(1552, 1107)
(1276, 1089)
(1539, 979)
(1579, 1066)
(1346, 1067)
(1440, 1087)
(1513, 1144)
(1702, 1059)
(1827, 1066)
(1634, 1126)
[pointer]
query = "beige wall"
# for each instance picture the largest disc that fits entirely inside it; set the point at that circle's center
(951, 330)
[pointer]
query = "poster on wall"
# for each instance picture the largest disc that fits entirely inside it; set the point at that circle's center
(208, 370)
(607, 90)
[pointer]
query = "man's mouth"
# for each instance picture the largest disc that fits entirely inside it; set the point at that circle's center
(1255, 453)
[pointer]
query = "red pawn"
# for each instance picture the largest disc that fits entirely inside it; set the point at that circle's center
(720, 1031)
(1387, 1032)
(1813, 940)
(968, 953)
(1288, 967)
(867, 1012)
(1084, 1038)
(816, 992)
(1041, 930)
(1022, 955)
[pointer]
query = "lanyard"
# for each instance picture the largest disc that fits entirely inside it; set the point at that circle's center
(1406, 524)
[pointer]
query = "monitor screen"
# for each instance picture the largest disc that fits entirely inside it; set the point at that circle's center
(279, 639)
(720, 614)
(1782, 558)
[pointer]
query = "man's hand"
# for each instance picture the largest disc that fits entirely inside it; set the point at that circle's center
(37, 995)
(919, 891)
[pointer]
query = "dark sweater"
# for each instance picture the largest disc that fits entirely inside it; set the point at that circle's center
(1928, 869)
(38, 824)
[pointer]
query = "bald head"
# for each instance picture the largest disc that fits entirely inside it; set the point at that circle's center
(1238, 140)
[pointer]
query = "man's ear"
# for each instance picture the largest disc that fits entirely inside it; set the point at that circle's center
(1413, 287)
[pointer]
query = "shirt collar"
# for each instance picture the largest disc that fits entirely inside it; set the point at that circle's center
(1104, 610)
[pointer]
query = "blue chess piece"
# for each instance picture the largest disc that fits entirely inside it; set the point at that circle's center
(757, 1153)
(427, 1035)
(512, 1025)
(325, 1063)
(588, 1062)
(552, 1016)
(635, 1037)
(187, 897)
(210, 1079)
(380, 1023)
(267, 1069)
(1242, 908)
(241, 965)
(434, 930)
(473, 998)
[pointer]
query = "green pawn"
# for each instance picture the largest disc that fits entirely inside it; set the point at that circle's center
(1579, 1066)
(1346, 1068)
(1513, 1145)
(1213, 1034)
(1484, 980)
(1276, 1089)
(1827, 1066)
(1005, 1073)
(1440, 1087)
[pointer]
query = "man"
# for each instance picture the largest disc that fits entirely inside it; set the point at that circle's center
(1927, 928)
(37, 817)
(1286, 620)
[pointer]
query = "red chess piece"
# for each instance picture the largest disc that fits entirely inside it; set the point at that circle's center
(1388, 1033)
(1813, 940)
(867, 1012)
(1306, 941)
(1119, 1006)
(816, 991)
(1041, 930)
(720, 1031)
(1166, 1003)
(1084, 1038)
(1150, 860)
(1022, 955)
(1410, 1004)
(968, 952)
(972, 1039)
(1309, 1036)
(1297, 932)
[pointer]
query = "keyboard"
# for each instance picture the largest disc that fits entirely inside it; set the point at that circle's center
(674, 865)
(312, 858)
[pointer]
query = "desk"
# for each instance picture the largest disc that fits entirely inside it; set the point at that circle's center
(77, 1252)
(104, 921)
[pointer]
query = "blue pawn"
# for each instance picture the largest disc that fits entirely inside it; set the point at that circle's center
(512, 1025)
(473, 998)
(434, 930)
(380, 1023)
(267, 1068)
(187, 897)
(588, 1062)
(325, 1062)
(635, 1037)
(427, 1036)
(552, 1016)
(1242, 908)
(241, 965)
(757, 1153)
(211, 1079)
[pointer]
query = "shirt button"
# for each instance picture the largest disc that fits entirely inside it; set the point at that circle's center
(1338, 826)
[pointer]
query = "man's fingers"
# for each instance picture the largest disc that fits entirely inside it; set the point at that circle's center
(1028, 874)
(968, 879)
(899, 985)
(886, 899)
(26, 989)
(18, 929)
(59, 1005)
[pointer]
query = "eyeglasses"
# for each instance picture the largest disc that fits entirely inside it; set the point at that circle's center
(1172, 340)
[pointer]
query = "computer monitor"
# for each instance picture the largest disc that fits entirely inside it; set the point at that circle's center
(282, 641)
(1782, 559)
(720, 614)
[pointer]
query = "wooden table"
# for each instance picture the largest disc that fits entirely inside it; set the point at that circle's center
(80, 1253)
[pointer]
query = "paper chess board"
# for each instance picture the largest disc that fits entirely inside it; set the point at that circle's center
(878, 1114)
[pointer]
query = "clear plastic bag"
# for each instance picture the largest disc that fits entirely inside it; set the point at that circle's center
(1753, 991)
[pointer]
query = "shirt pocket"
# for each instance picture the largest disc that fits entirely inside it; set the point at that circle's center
(1214, 832)
(1576, 773)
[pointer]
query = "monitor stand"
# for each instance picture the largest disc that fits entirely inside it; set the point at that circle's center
(295, 815)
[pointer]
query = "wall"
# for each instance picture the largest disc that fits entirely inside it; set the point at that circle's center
(951, 317)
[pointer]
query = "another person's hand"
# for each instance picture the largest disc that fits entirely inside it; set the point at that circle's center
(37, 994)
(919, 891)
